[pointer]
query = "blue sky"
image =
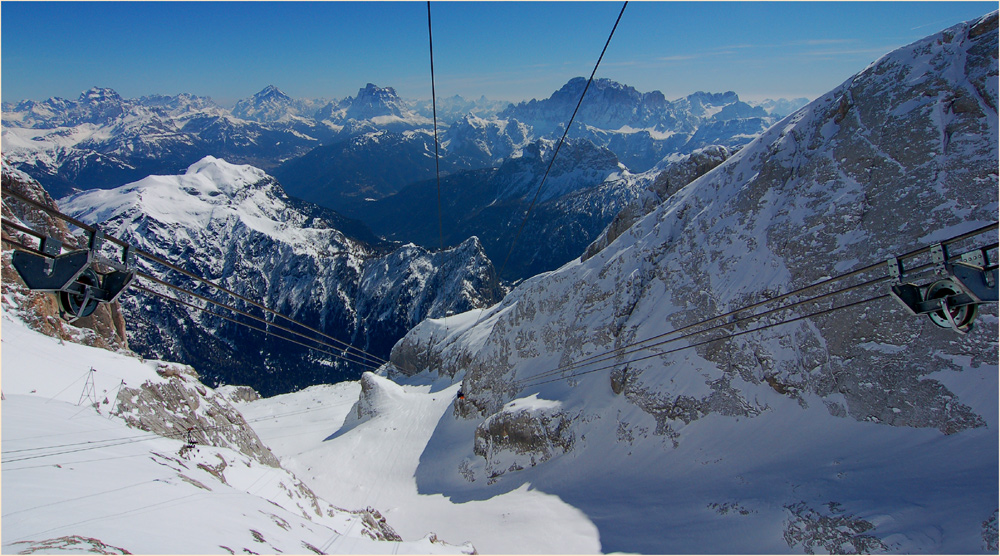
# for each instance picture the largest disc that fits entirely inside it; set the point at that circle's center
(503, 50)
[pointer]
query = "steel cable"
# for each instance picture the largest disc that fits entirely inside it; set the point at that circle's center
(633, 347)
(559, 145)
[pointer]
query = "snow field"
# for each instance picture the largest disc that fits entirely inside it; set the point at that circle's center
(71, 472)
(375, 462)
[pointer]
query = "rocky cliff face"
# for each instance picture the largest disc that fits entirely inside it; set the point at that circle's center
(643, 128)
(669, 181)
(608, 105)
(901, 155)
(184, 409)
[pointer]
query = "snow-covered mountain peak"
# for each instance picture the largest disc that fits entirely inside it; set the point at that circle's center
(98, 105)
(96, 95)
(270, 92)
(228, 178)
(373, 101)
(268, 105)
(210, 192)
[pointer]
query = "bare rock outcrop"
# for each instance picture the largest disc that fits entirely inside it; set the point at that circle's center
(668, 182)
(517, 438)
(183, 408)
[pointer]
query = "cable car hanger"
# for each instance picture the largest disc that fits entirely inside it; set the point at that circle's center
(74, 275)
(951, 302)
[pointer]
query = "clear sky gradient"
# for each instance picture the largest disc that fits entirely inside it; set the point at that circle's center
(503, 50)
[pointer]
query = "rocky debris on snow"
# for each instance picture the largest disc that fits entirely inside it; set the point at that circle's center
(183, 408)
(672, 410)
(70, 544)
(725, 508)
(990, 535)
(238, 394)
(210, 466)
(376, 527)
(831, 532)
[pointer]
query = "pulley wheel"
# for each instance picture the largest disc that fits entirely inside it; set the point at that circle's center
(73, 304)
(960, 317)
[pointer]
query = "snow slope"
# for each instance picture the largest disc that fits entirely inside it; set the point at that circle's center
(372, 462)
(77, 479)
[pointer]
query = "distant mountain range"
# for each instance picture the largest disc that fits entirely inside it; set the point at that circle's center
(101, 140)
(357, 154)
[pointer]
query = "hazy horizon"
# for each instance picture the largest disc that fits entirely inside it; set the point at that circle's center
(509, 51)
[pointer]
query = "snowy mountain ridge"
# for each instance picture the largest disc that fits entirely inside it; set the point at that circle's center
(823, 433)
(233, 224)
(101, 140)
(211, 190)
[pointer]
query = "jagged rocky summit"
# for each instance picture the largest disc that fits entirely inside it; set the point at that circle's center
(235, 226)
(848, 430)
